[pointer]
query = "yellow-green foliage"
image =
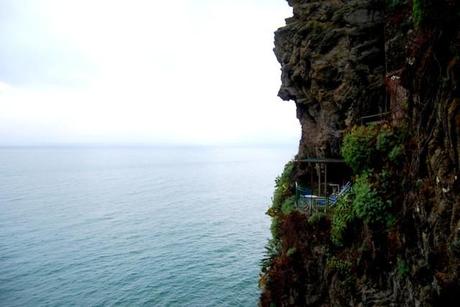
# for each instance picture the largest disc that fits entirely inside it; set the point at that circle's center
(316, 217)
(291, 251)
(417, 12)
(342, 216)
(374, 153)
(396, 153)
(367, 204)
(403, 268)
(282, 188)
(272, 249)
(358, 147)
(362, 203)
(288, 205)
(274, 228)
(384, 139)
(343, 267)
(368, 147)
(389, 144)
(282, 203)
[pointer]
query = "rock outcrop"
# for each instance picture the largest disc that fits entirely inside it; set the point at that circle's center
(399, 244)
(332, 59)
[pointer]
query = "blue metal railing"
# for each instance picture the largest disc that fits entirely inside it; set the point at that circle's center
(305, 196)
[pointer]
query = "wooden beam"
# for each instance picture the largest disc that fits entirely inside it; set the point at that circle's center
(320, 160)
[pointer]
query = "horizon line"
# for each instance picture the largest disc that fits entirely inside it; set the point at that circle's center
(145, 145)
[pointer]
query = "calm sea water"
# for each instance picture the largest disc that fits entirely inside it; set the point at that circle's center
(134, 226)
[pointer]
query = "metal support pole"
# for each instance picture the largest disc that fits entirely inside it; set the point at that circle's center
(297, 196)
(318, 169)
(325, 182)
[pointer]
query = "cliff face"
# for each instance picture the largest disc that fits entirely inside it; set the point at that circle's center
(395, 240)
(332, 59)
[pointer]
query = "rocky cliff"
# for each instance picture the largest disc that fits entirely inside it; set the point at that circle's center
(395, 238)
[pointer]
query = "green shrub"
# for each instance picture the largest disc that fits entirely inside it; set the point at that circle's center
(342, 216)
(389, 143)
(396, 153)
(274, 228)
(367, 205)
(343, 267)
(385, 177)
(367, 147)
(282, 186)
(358, 147)
(316, 217)
(288, 205)
(390, 220)
(419, 184)
(402, 268)
(417, 12)
(272, 250)
(282, 202)
(291, 251)
(385, 139)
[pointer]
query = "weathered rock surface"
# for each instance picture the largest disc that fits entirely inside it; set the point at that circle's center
(341, 60)
(332, 59)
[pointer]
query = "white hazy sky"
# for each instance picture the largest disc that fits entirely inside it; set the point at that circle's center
(142, 71)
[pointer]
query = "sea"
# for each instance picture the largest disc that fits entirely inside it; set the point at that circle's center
(135, 226)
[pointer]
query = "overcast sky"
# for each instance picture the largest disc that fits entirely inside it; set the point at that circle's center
(142, 71)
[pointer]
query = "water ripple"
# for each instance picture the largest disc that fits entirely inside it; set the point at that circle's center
(134, 226)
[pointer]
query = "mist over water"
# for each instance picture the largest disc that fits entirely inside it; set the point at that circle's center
(131, 226)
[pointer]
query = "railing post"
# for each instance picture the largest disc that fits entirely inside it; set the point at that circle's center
(318, 168)
(297, 196)
(325, 179)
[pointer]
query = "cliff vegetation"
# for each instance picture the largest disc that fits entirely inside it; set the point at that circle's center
(377, 84)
